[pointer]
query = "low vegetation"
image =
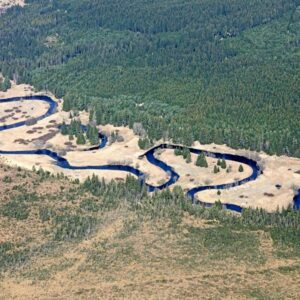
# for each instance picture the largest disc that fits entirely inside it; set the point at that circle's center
(162, 242)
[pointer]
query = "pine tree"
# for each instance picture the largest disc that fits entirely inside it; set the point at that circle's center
(92, 134)
(241, 168)
(98, 117)
(186, 153)
(177, 152)
(80, 139)
(91, 115)
(142, 143)
(201, 161)
(223, 164)
(216, 169)
(66, 104)
(189, 158)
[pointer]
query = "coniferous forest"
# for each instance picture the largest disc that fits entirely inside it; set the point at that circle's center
(213, 71)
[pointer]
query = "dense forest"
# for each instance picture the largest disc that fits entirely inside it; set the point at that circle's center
(210, 70)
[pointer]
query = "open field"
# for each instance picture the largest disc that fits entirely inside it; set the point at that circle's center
(129, 252)
(274, 188)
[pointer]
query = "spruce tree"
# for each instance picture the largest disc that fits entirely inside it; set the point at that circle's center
(201, 161)
(216, 169)
(177, 152)
(189, 158)
(142, 144)
(223, 164)
(241, 168)
(186, 153)
(66, 104)
(80, 139)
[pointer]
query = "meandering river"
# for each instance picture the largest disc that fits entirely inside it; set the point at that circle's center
(172, 175)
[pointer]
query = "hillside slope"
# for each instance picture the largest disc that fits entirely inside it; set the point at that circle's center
(76, 244)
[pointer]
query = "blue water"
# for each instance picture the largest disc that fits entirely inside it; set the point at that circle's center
(297, 201)
(173, 176)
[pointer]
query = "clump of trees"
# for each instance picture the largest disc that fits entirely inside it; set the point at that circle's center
(145, 143)
(216, 169)
(75, 129)
(201, 161)
(185, 153)
(116, 137)
(222, 163)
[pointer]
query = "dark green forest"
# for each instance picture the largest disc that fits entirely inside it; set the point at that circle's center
(207, 70)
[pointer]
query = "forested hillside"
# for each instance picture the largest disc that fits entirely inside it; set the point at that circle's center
(208, 70)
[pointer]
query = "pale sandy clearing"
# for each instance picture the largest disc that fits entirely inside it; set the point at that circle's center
(4, 4)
